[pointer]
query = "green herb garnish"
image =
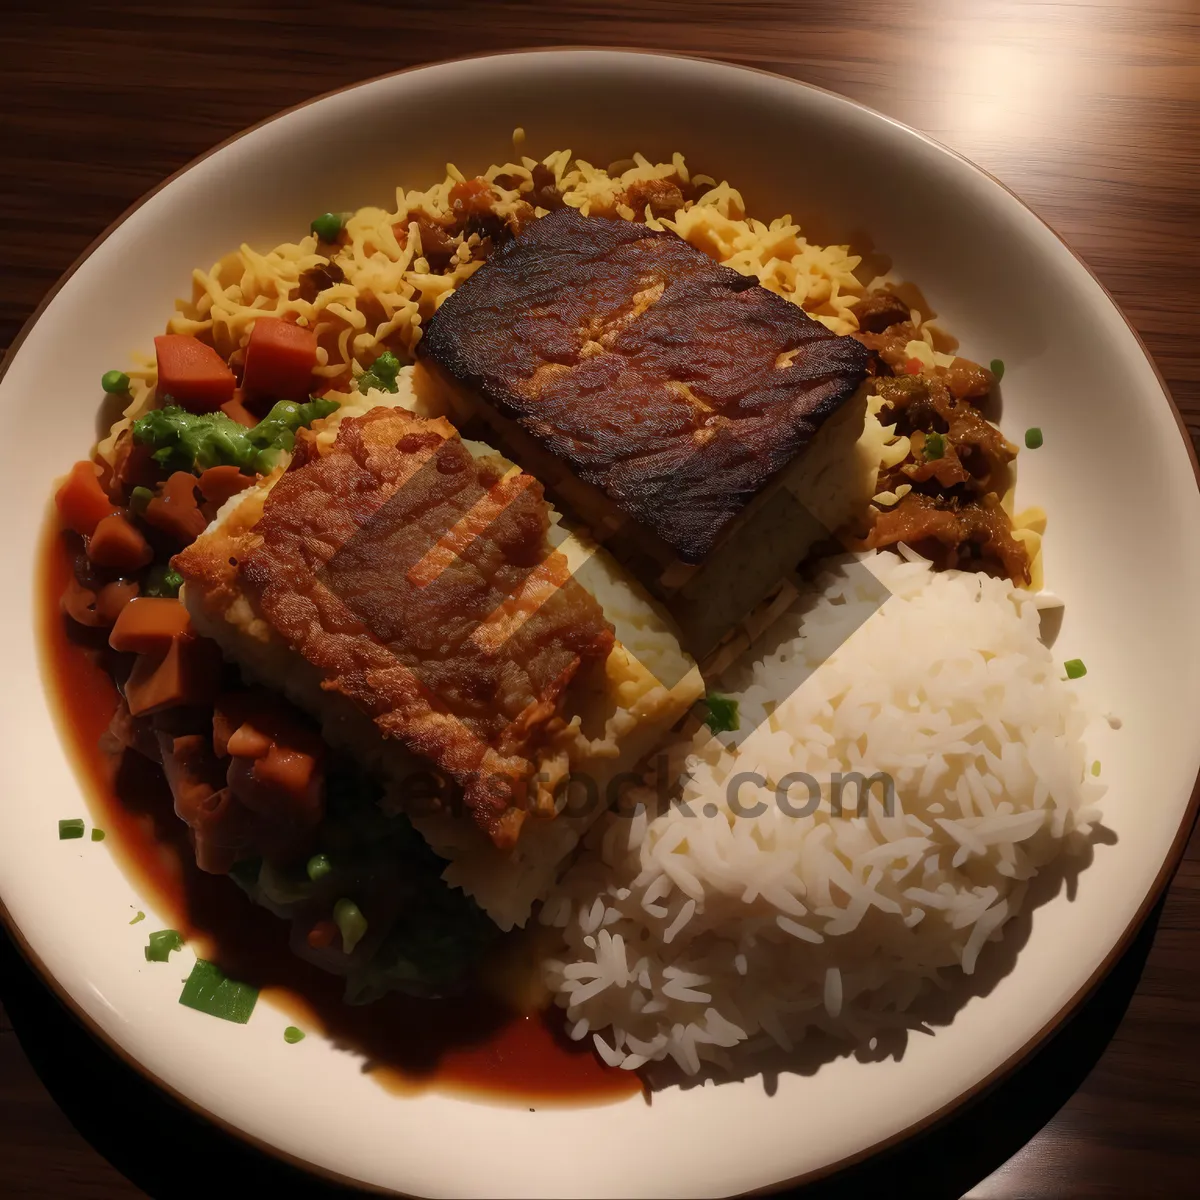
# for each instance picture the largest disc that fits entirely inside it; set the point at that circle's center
(1033, 438)
(935, 446)
(997, 365)
(97, 835)
(114, 382)
(292, 1035)
(69, 830)
(162, 943)
(141, 916)
(207, 990)
(381, 374)
(351, 924)
(327, 226)
(186, 441)
(1074, 668)
(1096, 767)
(162, 581)
(722, 713)
(318, 867)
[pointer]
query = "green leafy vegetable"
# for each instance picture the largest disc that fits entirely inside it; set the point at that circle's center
(141, 916)
(935, 446)
(1033, 438)
(162, 943)
(351, 924)
(997, 365)
(207, 990)
(186, 441)
(1075, 668)
(292, 1035)
(722, 713)
(162, 581)
(69, 830)
(381, 374)
(318, 867)
(327, 226)
(114, 382)
(97, 835)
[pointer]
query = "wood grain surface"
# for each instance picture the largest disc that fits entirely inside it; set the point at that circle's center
(1089, 111)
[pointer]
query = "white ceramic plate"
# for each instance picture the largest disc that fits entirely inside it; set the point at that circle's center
(1123, 550)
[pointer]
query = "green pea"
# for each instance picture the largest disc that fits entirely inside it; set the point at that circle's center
(318, 867)
(114, 382)
(327, 227)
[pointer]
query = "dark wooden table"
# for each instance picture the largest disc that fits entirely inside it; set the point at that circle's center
(1090, 111)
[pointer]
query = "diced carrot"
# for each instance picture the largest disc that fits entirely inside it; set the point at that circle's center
(119, 545)
(188, 673)
(149, 625)
(218, 484)
(192, 374)
(236, 410)
(322, 934)
(82, 502)
(175, 511)
(913, 366)
(112, 598)
(280, 358)
(135, 465)
(470, 197)
(80, 604)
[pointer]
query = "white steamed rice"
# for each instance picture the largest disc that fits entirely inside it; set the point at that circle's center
(689, 935)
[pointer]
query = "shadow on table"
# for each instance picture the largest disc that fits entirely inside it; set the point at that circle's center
(169, 1152)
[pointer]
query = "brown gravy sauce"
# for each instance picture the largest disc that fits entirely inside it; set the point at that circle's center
(468, 1044)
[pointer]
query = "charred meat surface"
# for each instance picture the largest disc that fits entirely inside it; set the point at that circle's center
(419, 581)
(677, 386)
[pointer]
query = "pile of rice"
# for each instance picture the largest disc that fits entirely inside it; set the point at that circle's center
(691, 931)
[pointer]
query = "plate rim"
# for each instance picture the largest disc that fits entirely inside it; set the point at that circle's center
(929, 1121)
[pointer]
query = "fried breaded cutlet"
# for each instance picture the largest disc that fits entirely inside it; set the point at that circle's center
(675, 385)
(419, 581)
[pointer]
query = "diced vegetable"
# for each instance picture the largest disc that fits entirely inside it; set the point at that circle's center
(139, 498)
(722, 713)
(318, 867)
(381, 374)
(292, 1035)
(280, 357)
(174, 509)
(188, 673)
(352, 925)
(236, 410)
(1074, 668)
(114, 382)
(207, 990)
(1033, 438)
(218, 484)
(141, 916)
(97, 835)
(148, 625)
(912, 366)
(82, 502)
(321, 935)
(935, 446)
(162, 943)
(162, 582)
(191, 373)
(327, 226)
(69, 830)
(117, 544)
(997, 365)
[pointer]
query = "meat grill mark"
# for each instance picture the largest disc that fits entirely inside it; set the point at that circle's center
(646, 366)
(333, 573)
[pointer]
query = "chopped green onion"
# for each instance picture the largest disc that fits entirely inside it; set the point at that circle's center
(1096, 767)
(351, 924)
(935, 446)
(69, 830)
(97, 835)
(292, 1035)
(114, 382)
(997, 365)
(722, 713)
(1075, 668)
(1033, 438)
(140, 917)
(381, 374)
(208, 991)
(318, 867)
(162, 943)
(327, 226)
(139, 498)
(162, 581)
